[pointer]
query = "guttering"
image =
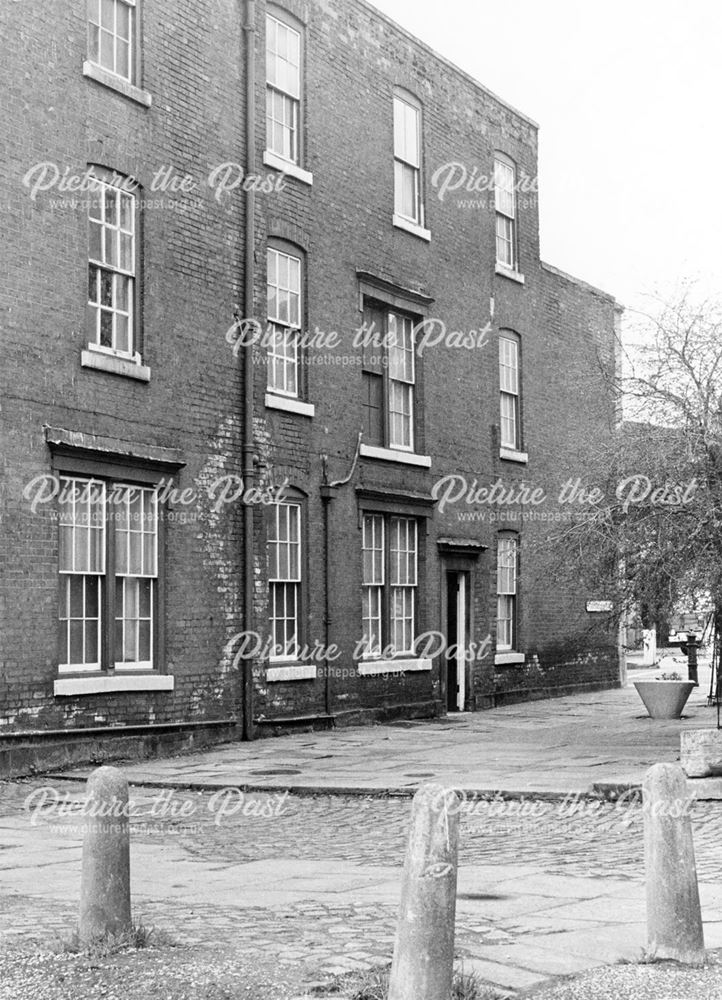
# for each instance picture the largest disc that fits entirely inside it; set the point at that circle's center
(249, 29)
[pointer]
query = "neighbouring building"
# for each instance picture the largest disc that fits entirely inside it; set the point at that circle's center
(273, 315)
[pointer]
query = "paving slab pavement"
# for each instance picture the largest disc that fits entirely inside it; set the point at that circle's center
(317, 885)
(557, 747)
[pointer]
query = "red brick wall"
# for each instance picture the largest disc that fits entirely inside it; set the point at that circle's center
(193, 273)
(192, 269)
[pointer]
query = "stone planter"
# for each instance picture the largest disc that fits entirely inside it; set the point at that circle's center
(701, 753)
(664, 699)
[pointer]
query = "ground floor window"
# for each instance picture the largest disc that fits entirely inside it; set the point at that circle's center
(507, 560)
(284, 576)
(108, 561)
(390, 583)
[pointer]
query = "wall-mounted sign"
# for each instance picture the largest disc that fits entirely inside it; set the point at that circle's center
(600, 606)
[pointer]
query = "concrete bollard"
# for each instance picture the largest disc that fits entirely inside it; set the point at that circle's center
(105, 881)
(423, 963)
(674, 917)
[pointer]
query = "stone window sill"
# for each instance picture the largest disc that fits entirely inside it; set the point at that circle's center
(289, 404)
(412, 227)
(392, 455)
(286, 167)
(505, 659)
(111, 683)
(102, 362)
(116, 83)
(371, 667)
(512, 455)
(510, 273)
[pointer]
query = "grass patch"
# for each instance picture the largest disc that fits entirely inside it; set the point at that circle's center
(105, 945)
(374, 985)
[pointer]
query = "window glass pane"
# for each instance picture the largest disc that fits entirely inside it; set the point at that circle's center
(96, 242)
(91, 596)
(107, 14)
(123, 59)
(127, 207)
(110, 207)
(123, 23)
(122, 338)
(106, 329)
(75, 651)
(91, 642)
(76, 597)
(106, 288)
(406, 132)
(126, 252)
(93, 43)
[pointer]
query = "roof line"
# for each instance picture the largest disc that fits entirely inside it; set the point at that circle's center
(437, 55)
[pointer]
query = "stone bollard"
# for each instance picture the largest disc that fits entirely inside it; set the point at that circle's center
(423, 963)
(674, 918)
(105, 881)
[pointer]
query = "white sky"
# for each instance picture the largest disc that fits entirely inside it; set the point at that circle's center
(628, 97)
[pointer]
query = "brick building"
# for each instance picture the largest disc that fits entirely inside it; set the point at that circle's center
(273, 313)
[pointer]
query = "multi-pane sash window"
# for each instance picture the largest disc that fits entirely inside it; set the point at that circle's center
(506, 587)
(389, 379)
(505, 205)
(284, 576)
(390, 583)
(136, 571)
(374, 576)
(407, 161)
(111, 268)
(97, 521)
(111, 36)
(509, 392)
(284, 318)
(82, 572)
(283, 89)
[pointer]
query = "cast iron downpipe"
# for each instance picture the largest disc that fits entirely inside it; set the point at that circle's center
(250, 275)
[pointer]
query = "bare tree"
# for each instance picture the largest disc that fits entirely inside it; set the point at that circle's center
(655, 535)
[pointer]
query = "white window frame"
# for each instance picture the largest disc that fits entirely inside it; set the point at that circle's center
(117, 501)
(285, 325)
(112, 253)
(117, 41)
(401, 379)
(507, 573)
(148, 568)
(505, 207)
(373, 547)
(283, 88)
(509, 393)
(79, 491)
(393, 593)
(283, 586)
(408, 157)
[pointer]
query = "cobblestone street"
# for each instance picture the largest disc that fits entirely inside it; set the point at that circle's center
(545, 887)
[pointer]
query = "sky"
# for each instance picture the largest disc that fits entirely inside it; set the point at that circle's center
(628, 97)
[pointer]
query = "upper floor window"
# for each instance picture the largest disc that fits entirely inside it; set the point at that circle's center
(507, 560)
(389, 375)
(284, 277)
(408, 201)
(283, 89)
(510, 395)
(112, 36)
(108, 606)
(505, 205)
(284, 579)
(112, 268)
